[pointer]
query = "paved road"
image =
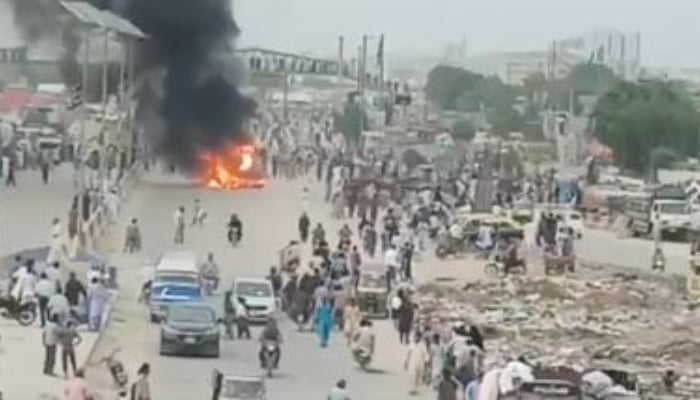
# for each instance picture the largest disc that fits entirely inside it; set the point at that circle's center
(270, 219)
(26, 211)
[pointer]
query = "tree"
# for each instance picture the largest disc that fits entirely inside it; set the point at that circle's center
(463, 129)
(634, 119)
(591, 79)
(351, 122)
(504, 120)
(445, 84)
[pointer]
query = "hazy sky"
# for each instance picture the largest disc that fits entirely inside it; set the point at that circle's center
(670, 28)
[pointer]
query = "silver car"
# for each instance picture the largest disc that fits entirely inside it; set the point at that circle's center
(190, 329)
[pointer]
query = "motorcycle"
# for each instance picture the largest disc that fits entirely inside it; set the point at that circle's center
(25, 313)
(116, 370)
(362, 357)
(269, 357)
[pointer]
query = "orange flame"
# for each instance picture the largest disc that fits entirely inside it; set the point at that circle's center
(234, 168)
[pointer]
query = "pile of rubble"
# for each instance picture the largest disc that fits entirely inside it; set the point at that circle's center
(580, 322)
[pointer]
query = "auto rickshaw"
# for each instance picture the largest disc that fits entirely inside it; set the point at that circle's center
(372, 293)
(238, 387)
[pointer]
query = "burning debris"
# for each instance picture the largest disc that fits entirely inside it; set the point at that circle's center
(238, 166)
(576, 322)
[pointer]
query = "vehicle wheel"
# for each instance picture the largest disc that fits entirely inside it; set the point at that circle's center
(215, 353)
(26, 317)
(155, 319)
(491, 270)
(440, 252)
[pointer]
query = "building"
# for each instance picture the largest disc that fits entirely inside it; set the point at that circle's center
(514, 67)
(619, 51)
(38, 60)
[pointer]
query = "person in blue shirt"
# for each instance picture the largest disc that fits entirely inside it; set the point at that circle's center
(471, 392)
(324, 322)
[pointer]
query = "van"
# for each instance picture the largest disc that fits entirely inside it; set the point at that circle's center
(177, 263)
(176, 279)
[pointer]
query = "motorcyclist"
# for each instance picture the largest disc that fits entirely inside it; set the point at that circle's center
(210, 270)
(364, 340)
(270, 333)
(235, 229)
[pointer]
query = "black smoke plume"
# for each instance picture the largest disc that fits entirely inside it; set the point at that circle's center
(188, 57)
(45, 19)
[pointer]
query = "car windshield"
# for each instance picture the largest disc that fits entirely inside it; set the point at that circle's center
(177, 291)
(191, 314)
(674, 208)
(253, 289)
(164, 280)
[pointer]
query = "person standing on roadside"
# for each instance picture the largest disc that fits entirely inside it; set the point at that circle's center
(74, 290)
(50, 340)
(304, 224)
(132, 243)
(141, 389)
(68, 338)
(180, 225)
(44, 289)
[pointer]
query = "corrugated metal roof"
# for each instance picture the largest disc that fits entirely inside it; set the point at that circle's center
(94, 17)
(121, 25)
(85, 13)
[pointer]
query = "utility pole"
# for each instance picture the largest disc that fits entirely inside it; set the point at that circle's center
(103, 133)
(339, 84)
(381, 65)
(80, 153)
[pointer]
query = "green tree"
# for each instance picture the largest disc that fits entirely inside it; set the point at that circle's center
(633, 119)
(351, 122)
(591, 79)
(445, 84)
(504, 120)
(535, 87)
(463, 129)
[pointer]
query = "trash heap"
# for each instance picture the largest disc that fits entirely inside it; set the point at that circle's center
(578, 322)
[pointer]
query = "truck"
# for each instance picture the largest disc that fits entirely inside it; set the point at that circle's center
(661, 210)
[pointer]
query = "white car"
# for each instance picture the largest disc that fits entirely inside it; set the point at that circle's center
(258, 295)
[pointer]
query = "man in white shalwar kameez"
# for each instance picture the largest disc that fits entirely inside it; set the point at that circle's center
(57, 246)
(416, 362)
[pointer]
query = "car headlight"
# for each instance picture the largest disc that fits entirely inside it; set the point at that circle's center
(214, 331)
(169, 332)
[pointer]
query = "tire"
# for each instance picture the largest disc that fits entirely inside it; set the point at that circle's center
(441, 252)
(215, 352)
(154, 319)
(491, 270)
(26, 317)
